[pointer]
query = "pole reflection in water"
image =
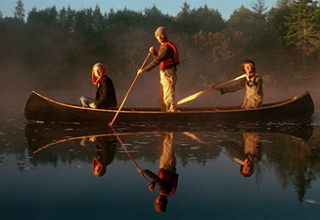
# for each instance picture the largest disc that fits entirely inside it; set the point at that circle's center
(269, 156)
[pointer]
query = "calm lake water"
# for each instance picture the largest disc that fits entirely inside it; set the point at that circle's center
(47, 171)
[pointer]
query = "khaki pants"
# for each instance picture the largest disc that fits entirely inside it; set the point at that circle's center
(167, 88)
(168, 159)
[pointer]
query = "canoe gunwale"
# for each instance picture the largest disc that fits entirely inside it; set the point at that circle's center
(180, 110)
(40, 108)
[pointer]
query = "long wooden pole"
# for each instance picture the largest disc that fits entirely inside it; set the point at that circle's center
(130, 156)
(196, 95)
(128, 92)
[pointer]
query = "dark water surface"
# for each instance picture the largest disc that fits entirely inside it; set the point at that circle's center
(46, 171)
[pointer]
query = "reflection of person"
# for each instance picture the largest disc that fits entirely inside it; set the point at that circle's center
(105, 151)
(105, 94)
(167, 178)
(167, 58)
(250, 153)
(252, 84)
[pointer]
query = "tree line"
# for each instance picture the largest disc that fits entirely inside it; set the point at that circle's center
(51, 44)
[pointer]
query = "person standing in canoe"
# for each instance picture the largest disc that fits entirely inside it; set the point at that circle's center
(167, 178)
(252, 84)
(167, 58)
(105, 95)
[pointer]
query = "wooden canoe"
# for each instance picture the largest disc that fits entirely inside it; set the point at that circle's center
(296, 109)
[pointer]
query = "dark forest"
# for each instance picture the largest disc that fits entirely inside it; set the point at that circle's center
(51, 46)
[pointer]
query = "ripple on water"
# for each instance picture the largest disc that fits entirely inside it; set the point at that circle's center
(129, 151)
(142, 142)
(266, 141)
(184, 144)
(69, 129)
(194, 148)
(137, 147)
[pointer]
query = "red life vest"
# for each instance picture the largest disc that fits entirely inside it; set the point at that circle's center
(171, 182)
(171, 61)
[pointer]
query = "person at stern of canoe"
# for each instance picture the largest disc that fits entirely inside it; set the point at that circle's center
(167, 58)
(252, 84)
(105, 94)
(251, 153)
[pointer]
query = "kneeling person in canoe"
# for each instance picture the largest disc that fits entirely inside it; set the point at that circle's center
(105, 95)
(252, 84)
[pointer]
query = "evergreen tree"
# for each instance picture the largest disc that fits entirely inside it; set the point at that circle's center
(153, 18)
(98, 21)
(19, 12)
(260, 8)
(303, 32)
(241, 32)
(201, 19)
(60, 42)
(277, 21)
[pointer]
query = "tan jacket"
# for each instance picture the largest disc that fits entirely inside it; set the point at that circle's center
(253, 91)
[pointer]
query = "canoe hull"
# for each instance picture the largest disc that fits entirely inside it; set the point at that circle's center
(41, 108)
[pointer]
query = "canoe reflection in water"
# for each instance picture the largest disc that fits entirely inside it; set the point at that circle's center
(105, 151)
(167, 178)
(250, 153)
(50, 144)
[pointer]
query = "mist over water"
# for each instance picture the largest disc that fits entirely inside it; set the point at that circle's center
(56, 181)
(67, 81)
(193, 75)
(16, 90)
(59, 178)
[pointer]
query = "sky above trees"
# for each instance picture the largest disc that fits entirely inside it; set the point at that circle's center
(225, 7)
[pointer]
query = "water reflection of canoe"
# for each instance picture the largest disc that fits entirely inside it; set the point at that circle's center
(41, 108)
(41, 136)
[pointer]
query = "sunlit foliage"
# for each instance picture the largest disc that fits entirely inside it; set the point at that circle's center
(65, 42)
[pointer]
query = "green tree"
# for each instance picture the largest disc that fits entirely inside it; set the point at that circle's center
(98, 23)
(303, 29)
(260, 8)
(19, 12)
(66, 19)
(277, 21)
(124, 17)
(68, 41)
(47, 17)
(277, 29)
(241, 32)
(153, 18)
(201, 19)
